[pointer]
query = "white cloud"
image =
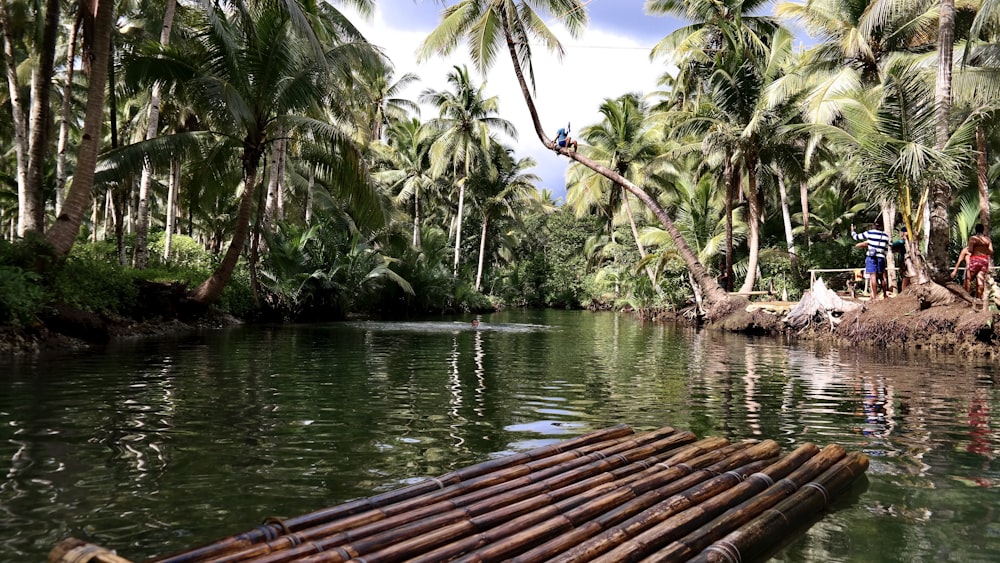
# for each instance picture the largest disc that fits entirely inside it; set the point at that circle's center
(597, 65)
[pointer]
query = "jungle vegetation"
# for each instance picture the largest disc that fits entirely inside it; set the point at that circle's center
(260, 156)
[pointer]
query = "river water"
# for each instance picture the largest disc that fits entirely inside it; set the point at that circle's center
(156, 447)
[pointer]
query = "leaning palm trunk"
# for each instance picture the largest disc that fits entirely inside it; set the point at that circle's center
(142, 219)
(67, 225)
(67, 103)
(713, 294)
(211, 289)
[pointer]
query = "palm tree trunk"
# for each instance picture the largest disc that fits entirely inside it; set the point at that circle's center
(941, 192)
(804, 200)
(39, 115)
(210, 290)
(713, 293)
(67, 225)
(142, 214)
(786, 218)
(171, 222)
(893, 270)
(259, 224)
(482, 253)
(416, 218)
(731, 175)
(981, 169)
(458, 224)
(309, 195)
(753, 224)
(67, 104)
(20, 134)
(638, 243)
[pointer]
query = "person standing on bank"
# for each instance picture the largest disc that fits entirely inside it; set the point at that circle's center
(979, 251)
(877, 244)
(903, 267)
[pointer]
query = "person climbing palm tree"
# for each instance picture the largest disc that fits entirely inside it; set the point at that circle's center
(563, 140)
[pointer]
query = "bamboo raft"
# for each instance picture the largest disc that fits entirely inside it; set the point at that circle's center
(610, 495)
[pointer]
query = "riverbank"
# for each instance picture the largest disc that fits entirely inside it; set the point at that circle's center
(66, 329)
(898, 324)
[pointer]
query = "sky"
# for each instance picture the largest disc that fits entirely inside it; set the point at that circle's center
(609, 59)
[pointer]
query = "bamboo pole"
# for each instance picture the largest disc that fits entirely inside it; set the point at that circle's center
(536, 503)
(73, 550)
(273, 530)
(480, 531)
(733, 518)
(382, 526)
(656, 528)
(767, 529)
(574, 545)
(504, 544)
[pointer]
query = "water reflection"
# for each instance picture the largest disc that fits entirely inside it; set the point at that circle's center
(154, 446)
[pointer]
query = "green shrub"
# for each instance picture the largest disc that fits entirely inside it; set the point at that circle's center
(21, 295)
(89, 282)
(185, 252)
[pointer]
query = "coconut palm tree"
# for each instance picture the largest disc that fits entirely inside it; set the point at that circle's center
(503, 191)
(259, 69)
(36, 42)
(888, 135)
(493, 25)
(96, 49)
(627, 140)
(404, 166)
(464, 134)
(152, 128)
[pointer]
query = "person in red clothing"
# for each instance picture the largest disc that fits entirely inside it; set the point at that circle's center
(978, 253)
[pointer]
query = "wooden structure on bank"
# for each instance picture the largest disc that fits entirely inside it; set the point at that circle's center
(610, 495)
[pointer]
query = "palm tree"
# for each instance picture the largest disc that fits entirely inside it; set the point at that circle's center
(259, 69)
(152, 128)
(888, 137)
(379, 104)
(502, 191)
(491, 25)
(96, 48)
(728, 56)
(404, 166)
(626, 141)
(39, 40)
(464, 134)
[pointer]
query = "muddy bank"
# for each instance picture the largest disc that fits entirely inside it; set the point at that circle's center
(65, 329)
(895, 324)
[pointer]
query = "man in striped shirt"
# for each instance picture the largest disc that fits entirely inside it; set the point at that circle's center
(877, 242)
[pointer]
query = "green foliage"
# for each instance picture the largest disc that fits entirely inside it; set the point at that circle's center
(21, 296)
(89, 282)
(324, 272)
(237, 298)
(185, 252)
